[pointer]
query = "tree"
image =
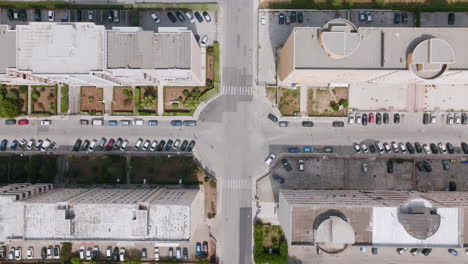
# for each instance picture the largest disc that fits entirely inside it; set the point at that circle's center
(191, 103)
(127, 93)
(9, 108)
(23, 89)
(66, 251)
(12, 96)
(344, 103)
(35, 95)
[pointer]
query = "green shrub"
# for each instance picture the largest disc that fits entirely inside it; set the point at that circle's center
(35, 95)
(64, 99)
(23, 89)
(127, 93)
(206, 179)
(186, 93)
(335, 107)
(42, 89)
(12, 96)
(66, 251)
(50, 96)
(344, 103)
(175, 105)
(9, 108)
(90, 100)
(212, 184)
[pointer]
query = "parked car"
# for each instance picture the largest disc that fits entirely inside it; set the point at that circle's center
(10, 122)
(10, 14)
(338, 124)
(385, 118)
(56, 252)
(300, 17)
(402, 147)
(161, 145)
(43, 253)
(176, 144)
(396, 118)
(404, 18)
(356, 147)
(152, 122)
(30, 253)
(281, 18)
(171, 17)
(206, 16)
(420, 166)
(145, 145)
(38, 144)
(418, 147)
(30, 144)
(205, 248)
(427, 166)
(445, 164)
(378, 118)
(350, 119)
(115, 254)
(453, 252)
(427, 149)
(283, 124)
(191, 123)
(118, 143)
(450, 148)
(11, 253)
(277, 178)
(425, 118)
(37, 15)
(176, 123)
(364, 119)
(178, 253)
(395, 147)
(112, 123)
(286, 164)
(190, 17)
(122, 254)
(170, 253)
(369, 17)
(110, 144)
(184, 145)
(396, 18)
(144, 254)
(390, 166)
(387, 147)
(88, 253)
(14, 145)
(79, 15)
(168, 145)
(414, 251)
(308, 149)
(191, 145)
(371, 118)
(116, 15)
(451, 18)
(23, 122)
(156, 253)
(180, 16)
(23, 15)
(90, 15)
(124, 145)
(410, 148)
(46, 145)
(380, 147)
(155, 18)
(464, 118)
(307, 123)
(364, 148)
(109, 253)
(300, 165)
(442, 148)
(362, 16)
(3, 145)
(198, 17)
(464, 147)
(272, 118)
(153, 145)
(77, 145)
(18, 253)
(198, 249)
(101, 144)
(328, 149)
(434, 148)
(293, 150)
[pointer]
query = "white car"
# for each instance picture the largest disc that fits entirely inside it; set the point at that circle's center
(203, 41)
(350, 119)
(457, 119)
(155, 18)
(449, 119)
(156, 253)
(18, 253)
(30, 144)
(380, 147)
(46, 122)
(124, 145)
(387, 147)
(263, 20)
(358, 118)
(395, 147)
(442, 148)
(402, 147)
(153, 146)
(109, 252)
(433, 119)
(190, 18)
(138, 144)
(30, 254)
(300, 165)
(51, 15)
(92, 145)
(145, 145)
(82, 249)
(176, 144)
(88, 253)
(11, 254)
(364, 148)
(122, 254)
(270, 159)
(356, 147)
(427, 149)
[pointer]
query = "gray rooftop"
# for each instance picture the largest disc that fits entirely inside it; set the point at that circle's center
(379, 48)
(137, 49)
(8, 50)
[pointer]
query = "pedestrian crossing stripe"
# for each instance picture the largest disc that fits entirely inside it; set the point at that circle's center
(237, 90)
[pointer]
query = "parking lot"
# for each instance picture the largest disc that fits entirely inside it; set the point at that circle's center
(381, 18)
(440, 19)
(126, 18)
(328, 173)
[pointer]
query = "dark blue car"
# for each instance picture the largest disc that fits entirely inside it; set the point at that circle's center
(293, 150)
(3, 145)
(14, 145)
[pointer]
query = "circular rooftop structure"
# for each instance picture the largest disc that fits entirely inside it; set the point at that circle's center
(339, 37)
(332, 232)
(430, 58)
(419, 218)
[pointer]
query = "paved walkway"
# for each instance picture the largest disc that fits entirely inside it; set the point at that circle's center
(161, 100)
(303, 103)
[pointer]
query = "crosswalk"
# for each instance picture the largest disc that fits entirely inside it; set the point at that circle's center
(237, 184)
(237, 90)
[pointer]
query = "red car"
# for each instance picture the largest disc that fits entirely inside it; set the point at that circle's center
(371, 118)
(23, 122)
(110, 144)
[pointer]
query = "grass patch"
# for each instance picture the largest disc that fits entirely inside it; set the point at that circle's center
(64, 99)
(289, 101)
(268, 237)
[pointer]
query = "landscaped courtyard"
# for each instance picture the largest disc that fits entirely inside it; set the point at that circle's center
(91, 100)
(18, 93)
(182, 100)
(327, 102)
(122, 103)
(44, 100)
(146, 100)
(289, 101)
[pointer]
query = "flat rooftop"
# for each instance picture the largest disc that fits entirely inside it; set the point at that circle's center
(60, 47)
(8, 48)
(378, 48)
(134, 48)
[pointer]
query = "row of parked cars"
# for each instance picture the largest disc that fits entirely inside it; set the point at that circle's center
(180, 15)
(122, 144)
(430, 148)
(287, 19)
(32, 144)
(377, 118)
(16, 253)
(135, 122)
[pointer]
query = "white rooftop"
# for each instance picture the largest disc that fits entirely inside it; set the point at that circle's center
(60, 47)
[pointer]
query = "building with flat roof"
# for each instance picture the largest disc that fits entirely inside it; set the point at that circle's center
(45, 52)
(335, 220)
(94, 214)
(339, 52)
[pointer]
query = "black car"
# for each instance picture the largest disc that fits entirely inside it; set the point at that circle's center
(115, 254)
(44, 253)
(85, 145)
(272, 118)
(22, 15)
(77, 145)
(307, 123)
(452, 186)
(79, 15)
(396, 118)
(180, 16)
(364, 119)
(281, 19)
(464, 147)
(300, 17)
(161, 145)
(426, 251)
(434, 148)
(372, 148)
(277, 178)
(450, 148)
(427, 166)
(418, 147)
(410, 148)
(171, 16)
(378, 118)
(404, 18)
(198, 17)
(191, 145)
(397, 18)
(420, 166)
(390, 166)
(4, 145)
(10, 13)
(451, 18)
(286, 164)
(374, 251)
(338, 124)
(169, 144)
(197, 38)
(293, 17)
(37, 15)
(425, 118)
(385, 118)
(183, 146)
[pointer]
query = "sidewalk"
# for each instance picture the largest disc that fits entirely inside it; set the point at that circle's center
(303, 103)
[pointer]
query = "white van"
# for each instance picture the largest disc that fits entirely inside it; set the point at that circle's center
(45, 145)
(138, 122)
(97, 122)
